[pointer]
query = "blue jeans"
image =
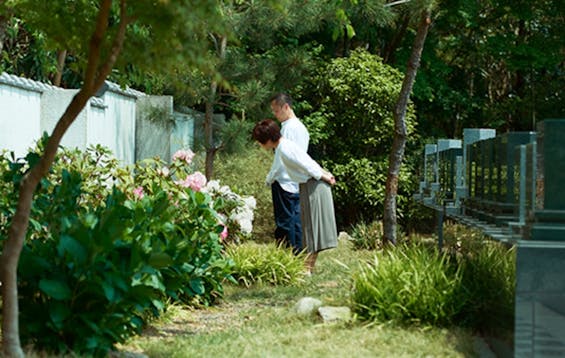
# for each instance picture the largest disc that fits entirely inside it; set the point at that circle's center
(287, 217)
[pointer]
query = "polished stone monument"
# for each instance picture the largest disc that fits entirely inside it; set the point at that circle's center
(540, 275)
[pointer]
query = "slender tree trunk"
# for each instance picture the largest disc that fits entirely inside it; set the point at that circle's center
(3, 24)
(209, 131)
(210, 146)
(61, 56)
(399, 142)
(95, 76)
(19, 226)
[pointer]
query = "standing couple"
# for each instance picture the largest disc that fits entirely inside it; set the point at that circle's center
(301, 189)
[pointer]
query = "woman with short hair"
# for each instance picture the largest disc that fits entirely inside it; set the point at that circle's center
(316, 203)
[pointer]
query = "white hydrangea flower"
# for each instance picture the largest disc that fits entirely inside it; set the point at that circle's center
(246, 226)
(250, 202)
(212, 186)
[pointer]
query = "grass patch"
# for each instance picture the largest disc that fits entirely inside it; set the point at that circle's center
(265, 263)
(258, 321)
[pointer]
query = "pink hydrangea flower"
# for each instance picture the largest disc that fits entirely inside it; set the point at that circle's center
(224, 233)
(185, 155)
(138, 192)
(196, 181)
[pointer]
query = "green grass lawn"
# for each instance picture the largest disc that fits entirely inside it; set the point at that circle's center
(259, 322)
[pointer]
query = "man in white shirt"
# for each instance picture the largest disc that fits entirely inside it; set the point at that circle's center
(284, 191)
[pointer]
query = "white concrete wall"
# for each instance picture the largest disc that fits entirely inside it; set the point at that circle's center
(28, 108)
(100, 127)
(53, 105)
(182, 135)
(19, 119)
(153, 127)
(121, 132)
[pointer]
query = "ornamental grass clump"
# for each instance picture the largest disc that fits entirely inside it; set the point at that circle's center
(367, 236)
(265, 264)
(408, 284)
(488, 272)
(489, 276)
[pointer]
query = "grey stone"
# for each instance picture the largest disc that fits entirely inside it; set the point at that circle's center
(334, 314)
(307, 305)
(343, 236)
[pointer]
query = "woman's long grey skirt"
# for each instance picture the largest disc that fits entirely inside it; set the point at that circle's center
(319, 231)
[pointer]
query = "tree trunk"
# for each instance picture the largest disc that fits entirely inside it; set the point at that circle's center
(209, 144)
(18, 228)
(3, 25)
(95, 75)
(209, 131)
(61, 56)
(399, 142)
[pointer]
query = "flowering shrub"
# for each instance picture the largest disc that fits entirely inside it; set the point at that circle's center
(108, 246)
(196, 181)
(235, 212)
(184, 155)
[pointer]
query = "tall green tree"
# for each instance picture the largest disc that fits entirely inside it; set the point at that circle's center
(424, 9)
(495, 63)
(263, 55)
(351, 128)
(158, 33)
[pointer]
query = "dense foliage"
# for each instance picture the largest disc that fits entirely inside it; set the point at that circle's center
(351, 127)
(102, 259)
(495, 63)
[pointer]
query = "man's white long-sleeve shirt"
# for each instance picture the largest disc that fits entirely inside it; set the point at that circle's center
(293, 130)
(298, 164)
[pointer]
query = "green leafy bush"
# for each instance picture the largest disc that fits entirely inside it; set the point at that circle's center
(265, 263)
(98, 264)
(409, 284)
(352, 127)
(360, 189)
(87, 285)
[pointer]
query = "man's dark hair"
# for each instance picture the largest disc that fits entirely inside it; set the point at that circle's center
(281, 98)
(266, 130)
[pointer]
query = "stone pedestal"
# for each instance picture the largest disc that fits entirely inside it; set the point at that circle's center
(540, 300)
(540, 267)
